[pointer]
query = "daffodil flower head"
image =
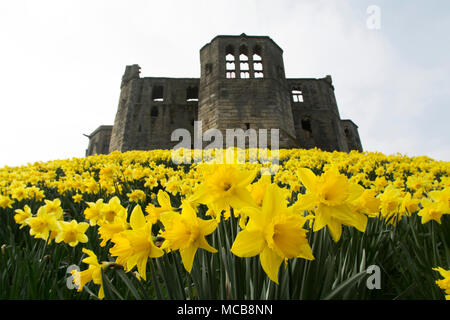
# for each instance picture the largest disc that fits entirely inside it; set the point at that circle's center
(430, 211)
(93, 211)
(93, 273)
(186, 232)
(444, 283)
(224, 186)
(133, 247)
(330, 196)
(154, 213)
(42, 224)
(110, 210)
(72, 232)
(21, 216)
(274, 232)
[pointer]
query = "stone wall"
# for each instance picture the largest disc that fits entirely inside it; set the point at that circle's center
(99, 141)
(351, 135)
(316, 115)
(242, 85)
(150, 109)
(260, 101)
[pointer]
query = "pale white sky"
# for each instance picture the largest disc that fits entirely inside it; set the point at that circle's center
(61, 64)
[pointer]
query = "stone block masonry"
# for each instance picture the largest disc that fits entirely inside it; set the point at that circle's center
(243, 85)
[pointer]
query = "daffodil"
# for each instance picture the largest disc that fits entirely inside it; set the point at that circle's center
(442, 197)
(107, 231)
(54, 207)
(186, 232)
(136, 196)
(224, 186)
(390, 204)
(21, 216)
(19, 193)
(133, 247)
(109, 211)
(258, 189)
(430, 211)
(274, 232)
(93, 211)
(154, 213)
(43, 224)
(5, 202)
(330, 197)
(368, 203)
(409, 205)
(77, 198)
(72, 232)
(444, 283)
(93, 273)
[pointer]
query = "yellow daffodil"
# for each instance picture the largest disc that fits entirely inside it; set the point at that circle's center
(186, 232)
(430, 211)
(258, 189)
(274, 232)
(93, 211)
(72, 232)
(154, 213)
(5, 202)
(21, 216)
(136, 196)
(93, 273)
(107, 231)
(390, 204)
(444, 284)
(368, 203)
(151, 182)
(225, 186)
(133, 247)
(442, 197)
(409, 205)
(19, 193)
(330, 197)
(43, 225)
(109, 211)
(53, 207)
(77, 198)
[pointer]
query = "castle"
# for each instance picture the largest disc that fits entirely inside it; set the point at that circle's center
(242, 85)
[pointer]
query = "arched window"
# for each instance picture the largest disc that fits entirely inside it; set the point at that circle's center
(244, 67)
(257, 62)
(230, 65)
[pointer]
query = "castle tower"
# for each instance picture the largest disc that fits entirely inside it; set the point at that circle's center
(150, 109)
(243, 85)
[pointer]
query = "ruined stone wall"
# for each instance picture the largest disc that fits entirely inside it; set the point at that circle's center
(351, 135)
(234, 91)
(150, 109)
(316, 116)
(99, 141)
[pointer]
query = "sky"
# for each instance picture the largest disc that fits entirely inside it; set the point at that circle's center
(61, 64)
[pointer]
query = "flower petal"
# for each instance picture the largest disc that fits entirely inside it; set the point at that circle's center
(307, 178)
(270, 262)
(248, 243)
(137, 219)
(187, 256)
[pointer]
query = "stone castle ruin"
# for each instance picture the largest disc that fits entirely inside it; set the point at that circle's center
(242, 85)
